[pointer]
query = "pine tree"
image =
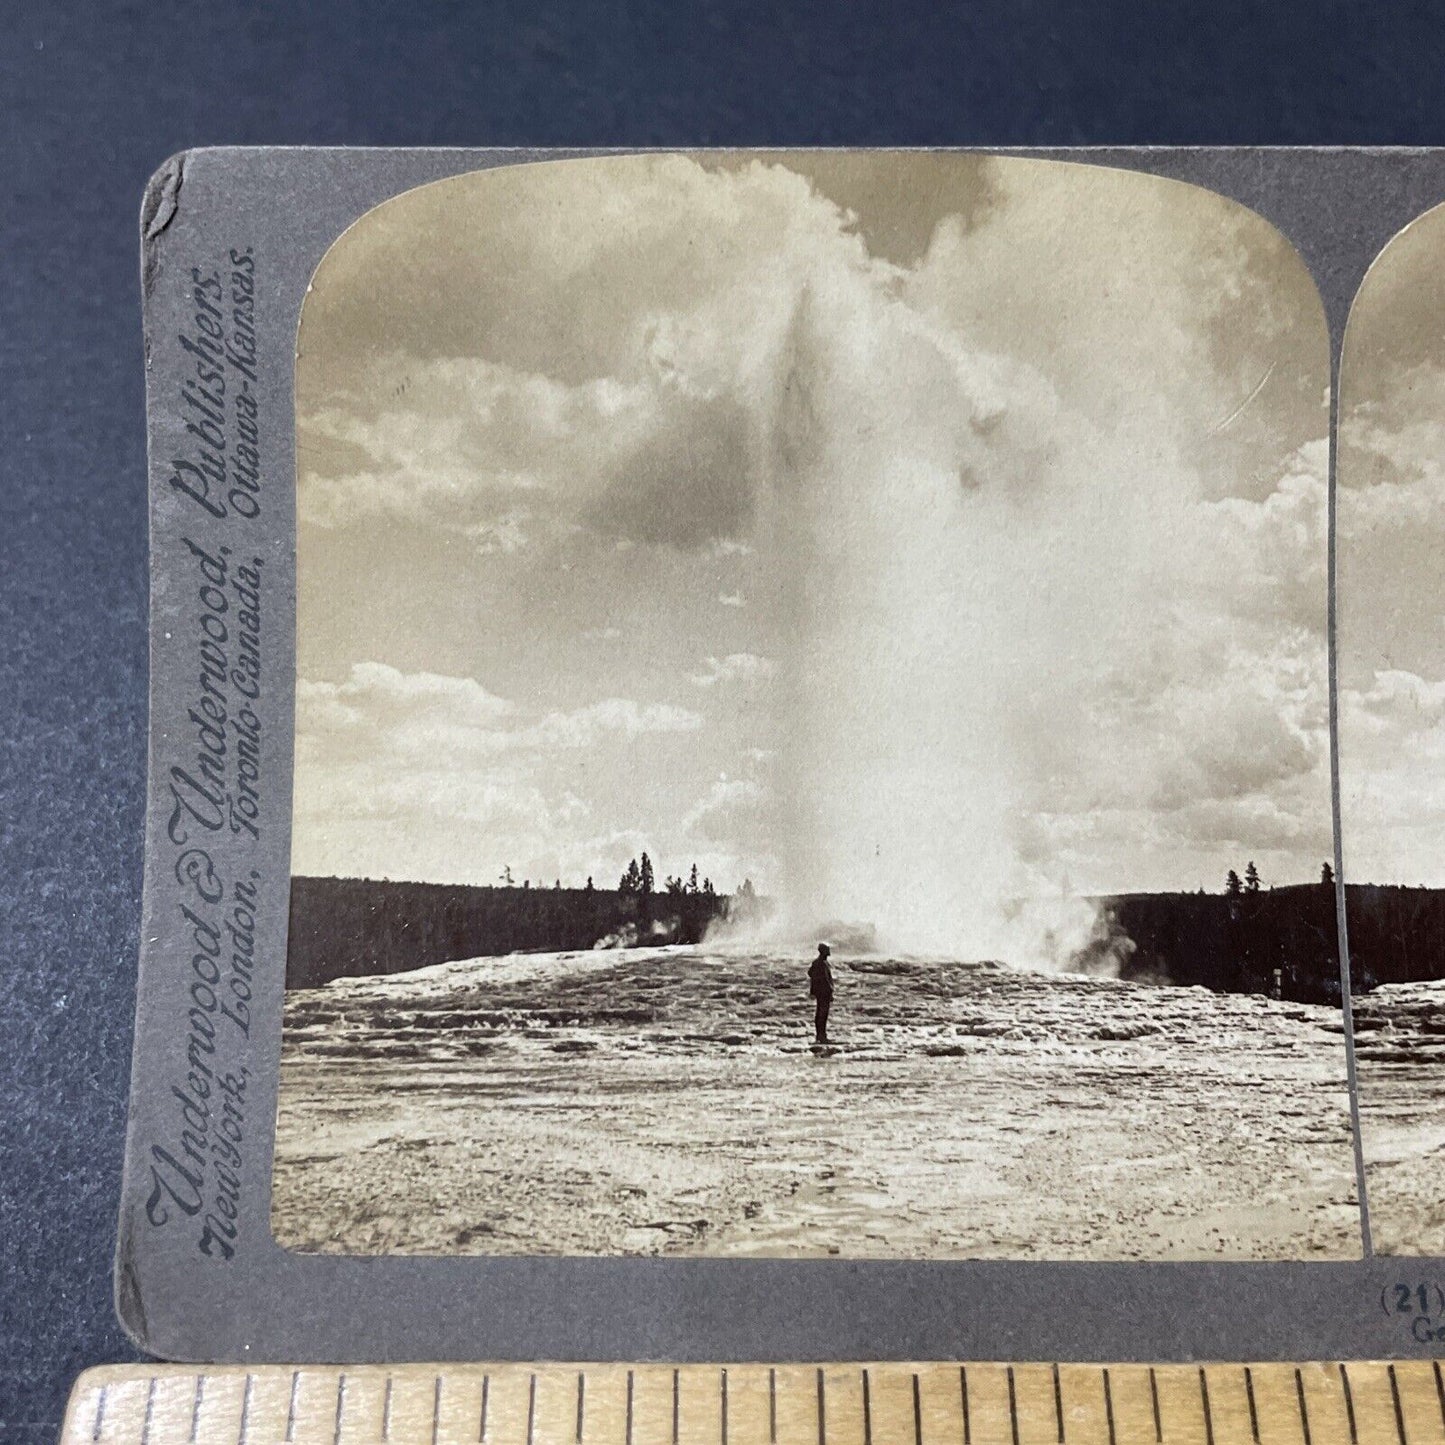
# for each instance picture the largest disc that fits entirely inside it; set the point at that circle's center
(692, 880)
(645, 876)
(1327, 876)
(1251, 878)
(1232, 885)
(632, 879)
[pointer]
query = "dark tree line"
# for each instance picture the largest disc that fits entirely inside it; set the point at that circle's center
(1283, 941)
(1251, 883)
(638, 881)
(344, 927)
(1397, 934)
(683, 910)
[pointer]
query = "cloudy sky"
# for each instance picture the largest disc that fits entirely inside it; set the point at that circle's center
(1391, 515)
(900, 525)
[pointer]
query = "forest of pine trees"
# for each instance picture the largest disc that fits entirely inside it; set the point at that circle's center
(1283, 940)
(349, 926)
(1252, 938)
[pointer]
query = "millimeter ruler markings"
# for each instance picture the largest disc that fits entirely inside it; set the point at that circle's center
(1354, 1403)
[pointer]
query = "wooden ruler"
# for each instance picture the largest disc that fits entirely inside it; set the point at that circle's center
(836, 1404)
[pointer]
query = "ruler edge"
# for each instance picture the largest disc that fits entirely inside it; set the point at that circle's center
(96, 1379)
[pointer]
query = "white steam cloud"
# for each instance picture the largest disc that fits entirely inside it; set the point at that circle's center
(913, 522)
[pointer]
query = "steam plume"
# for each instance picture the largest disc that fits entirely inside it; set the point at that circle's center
(914, 522)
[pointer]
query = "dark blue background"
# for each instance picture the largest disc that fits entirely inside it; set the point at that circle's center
(95, 97)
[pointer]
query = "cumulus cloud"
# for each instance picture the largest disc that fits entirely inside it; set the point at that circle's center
(378, 707)
(727, 832)
(583, 726)
(637, 419)
(387, 758)
(463, 442)
(1392, 778)
(380, 711)
(1397, 700)
(1390, 511)
(735, 667)
(732, 806)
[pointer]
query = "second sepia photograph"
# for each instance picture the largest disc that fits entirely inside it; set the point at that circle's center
(1390, 529)
(812, 721)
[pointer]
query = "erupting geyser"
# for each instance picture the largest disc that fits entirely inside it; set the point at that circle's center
(936, 576)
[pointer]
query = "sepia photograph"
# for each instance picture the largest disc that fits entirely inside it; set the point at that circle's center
(812, 722)
(1390, 516)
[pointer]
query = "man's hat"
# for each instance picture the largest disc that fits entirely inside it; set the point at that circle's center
(824, 948)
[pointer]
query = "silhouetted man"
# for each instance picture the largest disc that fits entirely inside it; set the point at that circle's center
(820, 985)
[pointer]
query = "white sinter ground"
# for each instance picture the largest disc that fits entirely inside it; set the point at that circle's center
(668, 1101)
(1400, 1048)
